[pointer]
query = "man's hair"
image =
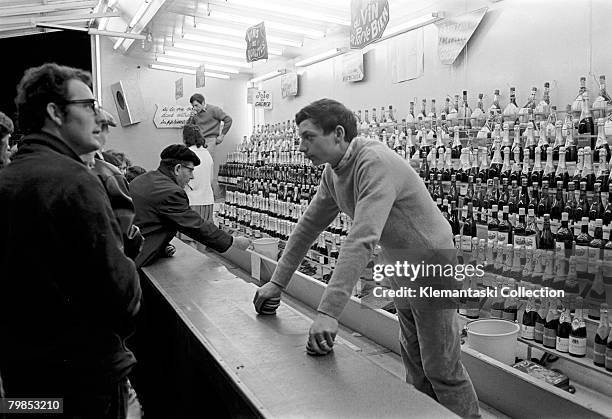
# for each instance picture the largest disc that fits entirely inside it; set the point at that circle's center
(40, 86)
(133, 172)
(193, 136)
(119, 156)
(327, 114)
(6, 125)
(197, 97)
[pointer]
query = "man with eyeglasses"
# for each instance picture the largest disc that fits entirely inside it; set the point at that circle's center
(68, 293)
(162, 207)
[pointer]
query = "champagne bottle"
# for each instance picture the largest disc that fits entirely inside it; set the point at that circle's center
(510, 113)
(588, 175)
(551, 325)
(563, 331)
(607, 216)
(540, 322)
(608, 360)
(586, 127)
(578, 333)
(601, 337)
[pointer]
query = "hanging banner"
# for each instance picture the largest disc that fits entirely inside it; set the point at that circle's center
(352, 67)
(369, 19)
(407, 56)
(289, 84)
(454, 33)
(257, 45)
(171, 116)
(263, 99)
(200, 76)
(178, 88)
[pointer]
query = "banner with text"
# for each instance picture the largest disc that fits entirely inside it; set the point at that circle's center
(369, 19)
(352, 67)
(257, 45)
(263, 99)
(171, 116)
(454, 33)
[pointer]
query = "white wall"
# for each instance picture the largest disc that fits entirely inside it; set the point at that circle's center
(520, 43)
(143, 142)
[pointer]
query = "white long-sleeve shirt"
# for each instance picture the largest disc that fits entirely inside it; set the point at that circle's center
(199, 189)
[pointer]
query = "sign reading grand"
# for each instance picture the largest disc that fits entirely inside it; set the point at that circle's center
(257, 45)
(369, 19)
(171, 116)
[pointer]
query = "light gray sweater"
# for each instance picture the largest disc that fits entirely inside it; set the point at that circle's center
(387, 201)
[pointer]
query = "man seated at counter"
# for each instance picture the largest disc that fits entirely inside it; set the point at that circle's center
(162, 208)
(388, 202)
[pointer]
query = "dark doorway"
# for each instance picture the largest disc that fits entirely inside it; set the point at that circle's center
(65, 47)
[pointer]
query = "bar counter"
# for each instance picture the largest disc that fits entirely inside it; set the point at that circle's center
(214, 356)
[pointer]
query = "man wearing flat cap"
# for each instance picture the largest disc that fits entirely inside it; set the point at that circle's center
(162, 207)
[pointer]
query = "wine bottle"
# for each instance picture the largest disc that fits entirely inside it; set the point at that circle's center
(551, 325)
(608, 361)
(538, 171)
(544, 205)
(549, 168)
(531, 231)
(510, 304)
(503, 228)
(562, 173)
(607, 216)
(578, 333)
(603, 173)
(588, 175)
(601, 337)
(546, 241)
(579, 166)
(493, 224)
(563, 331)
(596, 209)
(540, 322)
(582, 210)
(586, 127)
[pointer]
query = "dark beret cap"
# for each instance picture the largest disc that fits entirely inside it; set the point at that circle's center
(179, 152)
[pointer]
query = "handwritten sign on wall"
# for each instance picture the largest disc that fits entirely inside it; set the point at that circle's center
(201, 76)
(263, 99)
(257, 45)
(369, 19)
(352, 67)
(171, 116)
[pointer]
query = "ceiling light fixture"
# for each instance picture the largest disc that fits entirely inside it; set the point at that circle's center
(321, 57)
(291, 11)
(205, 58)
(283, 27)
(210, 50)
(269, 75)
(187, 71)
(225, 42)
(188, 63)
(218, 29)
(140, 13)
(118, 43)
(412, 24)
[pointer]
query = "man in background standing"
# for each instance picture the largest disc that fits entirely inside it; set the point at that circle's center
(209, 118)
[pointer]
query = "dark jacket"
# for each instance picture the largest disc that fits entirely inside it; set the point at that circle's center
(68, 293)
(162, 209)
(118, 193)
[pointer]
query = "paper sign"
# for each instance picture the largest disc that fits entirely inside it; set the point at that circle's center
(257, 45)
(251, 92)
(263, 99)
(171, 116)
(200, 76)
(352, 67)
(178, 88)
(289, 84)
(454, 33)
(406, 53)
(369, 19)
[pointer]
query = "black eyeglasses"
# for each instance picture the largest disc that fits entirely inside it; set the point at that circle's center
(188, 168)
(89, 103)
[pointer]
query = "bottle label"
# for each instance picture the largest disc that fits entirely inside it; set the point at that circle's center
(582, 253)
(538, 332)
(562, 344)
(492, 235)
(577, 346)
(550, 337)
(466, 243)
(560, 247)
(608, 359)
(518, 241)
(502, 237)
(530, 242)
(599, 353)
(594, 255)
(527, 332)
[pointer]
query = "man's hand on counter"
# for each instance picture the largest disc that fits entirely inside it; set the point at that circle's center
(267, 298)
(241, 242)
(321, 335)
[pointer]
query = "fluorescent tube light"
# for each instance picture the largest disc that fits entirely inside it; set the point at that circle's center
(218, 29)
(118, 43)
(291, 11)
(225, 42)
(187, 71)
(210, 50)
(412, 24)
(140, 13)
(320, 57)
(112, 3)
(205, 58)
(269, 75)
(189, 63)
(311, 33)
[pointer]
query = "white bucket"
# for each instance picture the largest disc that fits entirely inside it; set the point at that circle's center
(494, 338)
(267, 246)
